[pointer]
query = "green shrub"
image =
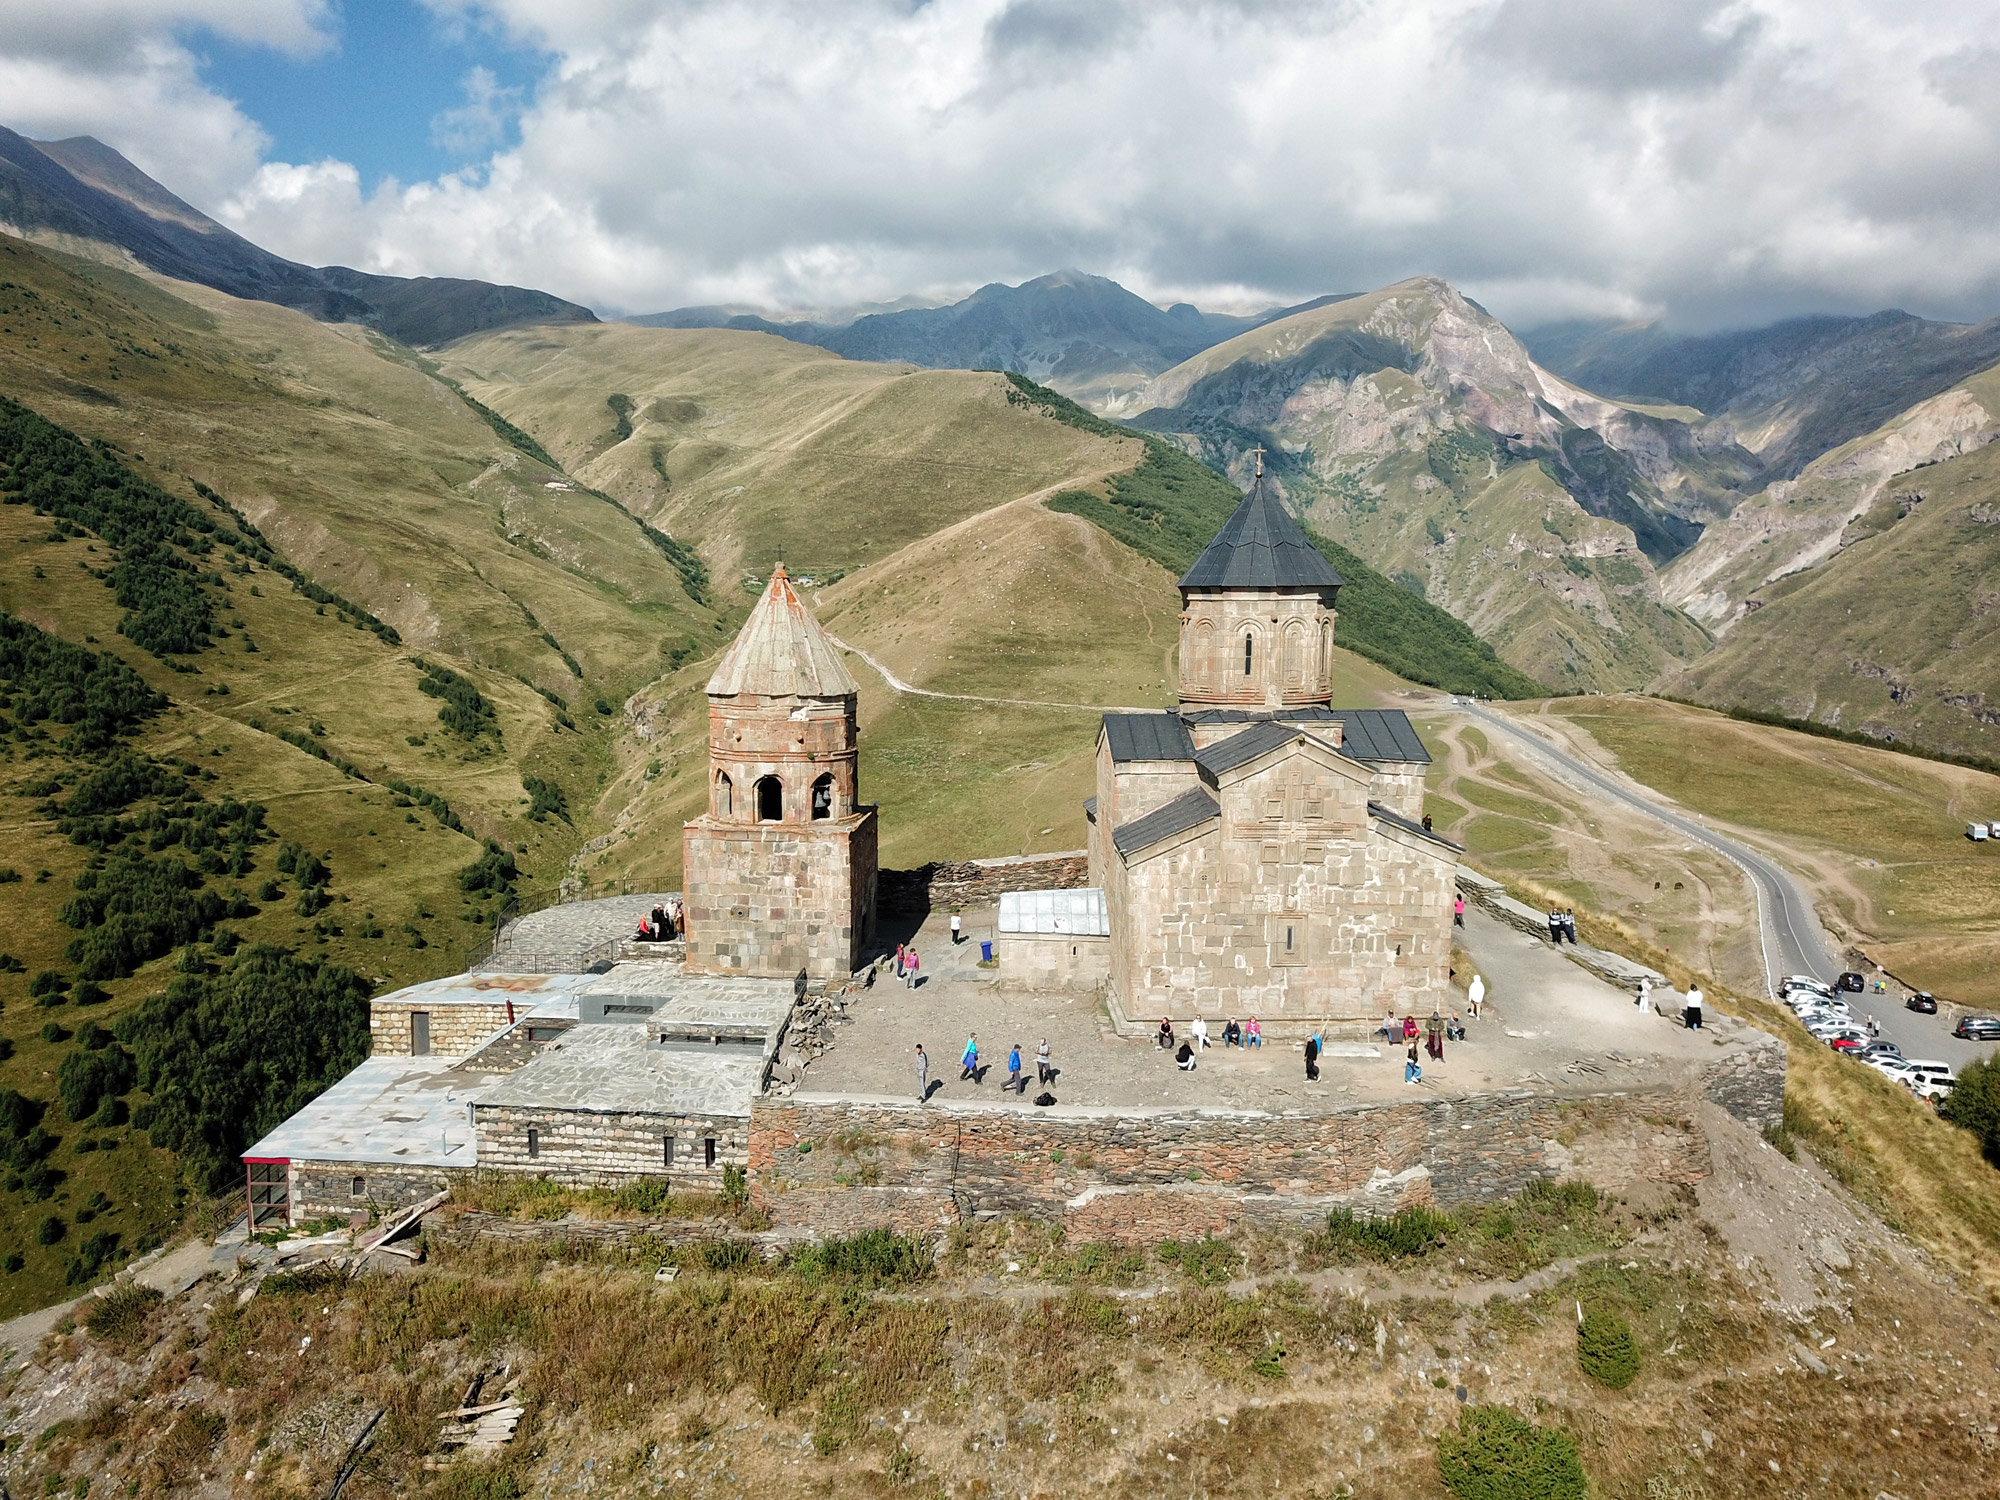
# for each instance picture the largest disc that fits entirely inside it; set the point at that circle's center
(1496, 1455)
(1408, 1231)
(1974, 1104)
(1206, 1262)
(50, 1231)
(1606, 1350)
(876, 1257)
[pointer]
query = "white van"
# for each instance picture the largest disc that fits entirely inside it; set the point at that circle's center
(1918, 1072)
(1977, 832)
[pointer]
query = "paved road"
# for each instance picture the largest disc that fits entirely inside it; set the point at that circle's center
(1794, 941)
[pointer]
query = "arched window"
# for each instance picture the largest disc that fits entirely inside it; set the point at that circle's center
(1325, 652)
(725, 796)
(1249, 646)
(1298, 654)
(770, 800)
(822, 806)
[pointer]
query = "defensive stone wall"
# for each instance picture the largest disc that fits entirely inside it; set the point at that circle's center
(981, 882)
(840, 1165)
(1052, 961)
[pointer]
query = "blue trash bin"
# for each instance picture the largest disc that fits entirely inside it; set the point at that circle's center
(986, 953)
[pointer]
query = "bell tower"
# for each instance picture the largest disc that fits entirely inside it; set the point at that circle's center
(1257, 613)
(780, 870)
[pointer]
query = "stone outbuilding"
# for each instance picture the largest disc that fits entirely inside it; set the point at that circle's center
(1261, 852)
(780, 871)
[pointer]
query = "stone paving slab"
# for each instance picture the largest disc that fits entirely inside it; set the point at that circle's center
(1548, 1026)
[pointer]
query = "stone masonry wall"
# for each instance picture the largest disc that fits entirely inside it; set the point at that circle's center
(587, 1149)
(773, 898)
(321, 1189)
(981, 882)
(1043, 962)
(456, 1029)
(841, 1165)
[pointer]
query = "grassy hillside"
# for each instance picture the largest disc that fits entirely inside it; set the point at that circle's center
(1897, 633)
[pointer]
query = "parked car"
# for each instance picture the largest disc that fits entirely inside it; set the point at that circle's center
(1893, 1068)
(1851, 982)
(1848, 1041)
(1977, 1028)
(1804, 982)
(1927, 1070)
(1932, 1090)
(1923, 1001)
(1878, 1048)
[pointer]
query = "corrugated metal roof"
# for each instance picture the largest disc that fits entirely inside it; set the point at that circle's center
(1090, 808)
(1261, 547)
(1189, 810)
(1226, 755)
(1148, 737)
(1381, 734)
(1079, 913)
(1304, 713)
(781, 652)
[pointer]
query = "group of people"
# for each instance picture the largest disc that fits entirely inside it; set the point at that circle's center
(907, 964)
(969, 1067)
(1562, 926)
(661, 925)
(1250, 1034)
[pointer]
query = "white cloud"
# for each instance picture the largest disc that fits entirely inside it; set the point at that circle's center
(1725, 160)
(481, 121)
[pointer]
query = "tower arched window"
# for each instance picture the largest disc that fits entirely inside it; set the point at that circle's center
(725, 796)
(1249, 651)
(770, 800)
(822, 803)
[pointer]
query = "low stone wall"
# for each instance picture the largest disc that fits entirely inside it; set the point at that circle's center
(980, 882)
(841, 1165)
(460, 1226)
(583, 1148)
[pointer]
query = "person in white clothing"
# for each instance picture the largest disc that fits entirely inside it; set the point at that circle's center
(1645, 992)
(1199, 1031)
(1476, 995)
(1692, 1014)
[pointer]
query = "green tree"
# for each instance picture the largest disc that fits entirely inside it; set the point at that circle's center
(1606, 1349)
(1496, 1455)
(1974, 1103)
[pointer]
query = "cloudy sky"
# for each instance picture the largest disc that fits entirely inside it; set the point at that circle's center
(1716, 163)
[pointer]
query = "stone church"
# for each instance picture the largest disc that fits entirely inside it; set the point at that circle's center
(1261, 852)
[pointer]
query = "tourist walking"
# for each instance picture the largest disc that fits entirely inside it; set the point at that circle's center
(968, 1061)
(1475, 996)
(1312, 1059)
(899, 960)
(909, 968)
(923, 1074)
(1253, 1035)
(1458, 911)
(954, 929)
(1413, 1071)
(1692, 1013)
(1044, 1069)
(1645, 992)
(1014, 1080)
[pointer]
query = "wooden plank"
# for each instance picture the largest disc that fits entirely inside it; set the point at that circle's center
(390, 1228)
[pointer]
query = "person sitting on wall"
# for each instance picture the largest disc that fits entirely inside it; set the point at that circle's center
(644, 934)
(1409, 1028)
(1253, 1034)
(1165, 1035)
(1232, 1034)
(1198, 1029)
(1184, 1059)
(1454, 1029)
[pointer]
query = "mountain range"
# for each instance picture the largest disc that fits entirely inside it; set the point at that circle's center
(79, 193)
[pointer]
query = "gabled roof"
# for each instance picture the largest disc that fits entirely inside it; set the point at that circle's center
(1227, 755)
(1261, 547)
(1148, 737)
(1380, 734)
(781, 652)
(1188, 810)
(1410, 825)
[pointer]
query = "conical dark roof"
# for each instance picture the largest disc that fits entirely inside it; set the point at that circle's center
(1261, 547)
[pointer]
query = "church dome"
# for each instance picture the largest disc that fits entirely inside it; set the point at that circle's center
(1261, 547)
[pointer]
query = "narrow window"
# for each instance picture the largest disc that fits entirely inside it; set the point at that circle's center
(770, 800)
(708, 1150)
(1248, 643)
(1288, 940)
(666, 1151)
(534, 1142)
(725, 796)
(823, 797)
(358, 1188)
(420, 1033)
